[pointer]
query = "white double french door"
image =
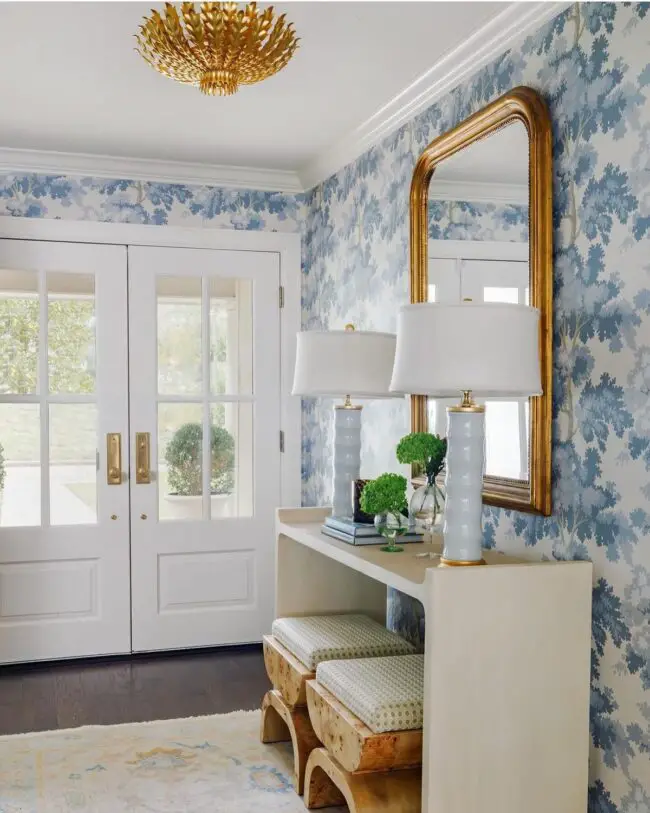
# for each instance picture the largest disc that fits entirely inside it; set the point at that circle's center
(139, 423)
(205, 399)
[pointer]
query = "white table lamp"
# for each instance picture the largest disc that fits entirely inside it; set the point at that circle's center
(345, 364)
(485, 350)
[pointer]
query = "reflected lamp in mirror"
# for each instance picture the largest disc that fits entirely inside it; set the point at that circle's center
(345, 364)
(475, 350)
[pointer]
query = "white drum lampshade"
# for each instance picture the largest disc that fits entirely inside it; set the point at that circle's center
(490, 350)
(336, 363)
(347, 364)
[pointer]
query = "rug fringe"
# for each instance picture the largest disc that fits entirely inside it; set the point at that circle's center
(144, 723)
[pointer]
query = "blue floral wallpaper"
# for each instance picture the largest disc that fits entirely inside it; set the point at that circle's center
(469, 220)
(592, 65)
(159, 204)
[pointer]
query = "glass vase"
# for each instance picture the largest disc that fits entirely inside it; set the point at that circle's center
(391, 527)
(426, 509)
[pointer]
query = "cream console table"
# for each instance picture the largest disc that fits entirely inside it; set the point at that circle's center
(507, 660)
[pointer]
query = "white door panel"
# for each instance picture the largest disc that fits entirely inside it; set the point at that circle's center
(205, 385)
(64, 562)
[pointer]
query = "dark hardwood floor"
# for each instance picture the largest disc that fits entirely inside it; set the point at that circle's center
(40, 697)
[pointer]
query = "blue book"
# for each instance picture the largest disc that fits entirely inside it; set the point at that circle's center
(369, 540)
(348, 526)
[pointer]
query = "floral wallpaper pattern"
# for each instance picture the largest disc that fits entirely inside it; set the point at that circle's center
(159, 204)
(592, 65)
(469, 220)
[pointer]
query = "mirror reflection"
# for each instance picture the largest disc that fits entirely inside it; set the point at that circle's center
(478, 225)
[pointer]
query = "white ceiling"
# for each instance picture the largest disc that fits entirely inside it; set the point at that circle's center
(71, 81)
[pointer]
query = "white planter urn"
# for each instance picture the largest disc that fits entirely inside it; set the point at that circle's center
(191, 507)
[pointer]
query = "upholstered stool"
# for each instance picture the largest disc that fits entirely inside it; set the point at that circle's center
(291, 655)
(368, 714)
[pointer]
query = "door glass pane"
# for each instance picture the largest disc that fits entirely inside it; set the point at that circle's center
(73, 464)
(231, 336)
(432, 416)
(179, 335)
(232, 460)
(71, 332)
(19, 312)
(20, 471)
(180, 461)
(502, 439)
(491, 294)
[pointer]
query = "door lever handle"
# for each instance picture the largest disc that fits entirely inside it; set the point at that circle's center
(142, 458)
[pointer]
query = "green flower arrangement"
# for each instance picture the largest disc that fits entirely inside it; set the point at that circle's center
(424, 448)
(386, 497)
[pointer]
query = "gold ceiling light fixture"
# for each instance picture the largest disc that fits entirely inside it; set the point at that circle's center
(218, 47)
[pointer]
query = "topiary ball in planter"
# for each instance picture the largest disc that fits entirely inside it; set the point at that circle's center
(184, 458)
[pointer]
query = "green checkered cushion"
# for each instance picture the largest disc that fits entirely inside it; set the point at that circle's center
(313, 639)
(387, 694)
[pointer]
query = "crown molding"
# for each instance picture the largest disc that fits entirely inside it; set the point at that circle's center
(508, 27)
(147, 169)
(484, 45)
(479, 192)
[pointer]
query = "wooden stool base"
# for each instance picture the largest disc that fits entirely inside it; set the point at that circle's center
(352, 744)
(328, 784)
(283, 724)
(286, 673)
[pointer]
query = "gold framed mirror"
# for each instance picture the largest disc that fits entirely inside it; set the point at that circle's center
(481, 227)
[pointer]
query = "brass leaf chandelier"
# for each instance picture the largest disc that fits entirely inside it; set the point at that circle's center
(217, 48)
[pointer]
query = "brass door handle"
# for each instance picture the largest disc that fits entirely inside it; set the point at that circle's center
(142, 458)
(114, 459)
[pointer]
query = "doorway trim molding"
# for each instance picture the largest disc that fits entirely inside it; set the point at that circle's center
(287, 245)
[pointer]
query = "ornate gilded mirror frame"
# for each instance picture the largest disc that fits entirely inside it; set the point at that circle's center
(523, 105)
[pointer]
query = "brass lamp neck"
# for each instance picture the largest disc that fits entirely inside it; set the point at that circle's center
(347, 404)
(467, 404)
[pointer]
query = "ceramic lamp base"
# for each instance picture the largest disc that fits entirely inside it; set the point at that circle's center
(462, 530)
(347, 458)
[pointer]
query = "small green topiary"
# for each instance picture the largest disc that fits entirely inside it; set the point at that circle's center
(184, 456)
(385, 495)
(425, 448)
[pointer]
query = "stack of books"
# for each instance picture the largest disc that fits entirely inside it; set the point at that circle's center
(361, 533)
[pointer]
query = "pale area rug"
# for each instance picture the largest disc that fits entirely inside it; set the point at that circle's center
(212, 764)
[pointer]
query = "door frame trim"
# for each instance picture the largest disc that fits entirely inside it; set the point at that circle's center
(286, 244)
